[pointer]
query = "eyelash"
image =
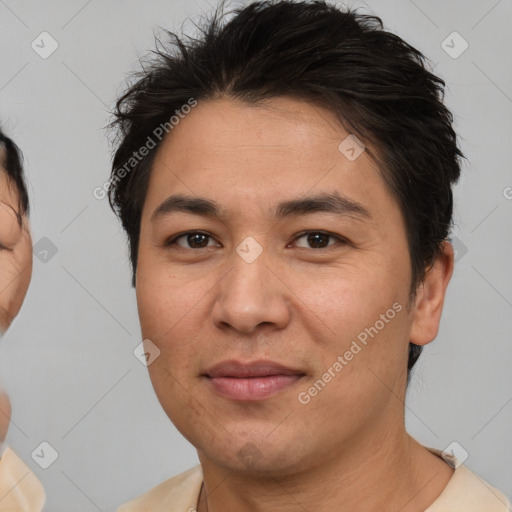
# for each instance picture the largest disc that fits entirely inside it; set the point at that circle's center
(172, 241)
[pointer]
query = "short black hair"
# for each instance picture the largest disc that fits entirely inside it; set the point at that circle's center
(378, 85)
(11, 162)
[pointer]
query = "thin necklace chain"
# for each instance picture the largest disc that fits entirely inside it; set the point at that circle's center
(201, 493)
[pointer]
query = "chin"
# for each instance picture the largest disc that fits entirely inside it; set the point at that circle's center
(253, 456)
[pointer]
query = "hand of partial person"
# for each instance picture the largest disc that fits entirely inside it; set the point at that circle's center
(15, 262)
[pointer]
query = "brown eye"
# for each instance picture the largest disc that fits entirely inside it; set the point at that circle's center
(194, 239)
(319, 239)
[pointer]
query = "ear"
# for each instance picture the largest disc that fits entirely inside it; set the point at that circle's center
(430, 297)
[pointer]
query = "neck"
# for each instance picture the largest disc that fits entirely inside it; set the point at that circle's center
(388, 474)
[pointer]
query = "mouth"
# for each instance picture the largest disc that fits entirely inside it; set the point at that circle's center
(251, 381)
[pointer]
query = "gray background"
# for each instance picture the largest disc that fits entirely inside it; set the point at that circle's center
(67, 362)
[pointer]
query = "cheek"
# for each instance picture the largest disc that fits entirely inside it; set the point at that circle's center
(362, 374)
(159, 302)
(170, 316)
(23, 255)
(184, 406)
(347, 299)
(363, 319)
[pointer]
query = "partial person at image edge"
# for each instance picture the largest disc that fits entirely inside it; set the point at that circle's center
(20, 490)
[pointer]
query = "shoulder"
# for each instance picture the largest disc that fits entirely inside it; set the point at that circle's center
(180, 493)
(19, 487)
(468, 492)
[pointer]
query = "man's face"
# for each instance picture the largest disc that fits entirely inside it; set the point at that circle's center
(302, 302)
(15, 254)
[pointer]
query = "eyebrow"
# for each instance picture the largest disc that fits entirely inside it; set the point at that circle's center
(331, 203)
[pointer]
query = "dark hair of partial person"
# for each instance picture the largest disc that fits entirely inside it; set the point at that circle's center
(378, 86)
(11, 162)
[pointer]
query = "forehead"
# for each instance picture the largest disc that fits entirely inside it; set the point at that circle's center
(249, 154)
(273, 126)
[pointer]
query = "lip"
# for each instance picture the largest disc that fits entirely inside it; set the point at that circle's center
(259, 368)
(251, 381)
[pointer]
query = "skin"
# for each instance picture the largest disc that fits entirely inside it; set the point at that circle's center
(296, 304)
(15, 271)
(5, 415)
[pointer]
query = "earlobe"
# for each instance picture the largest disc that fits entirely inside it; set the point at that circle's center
(430, 297)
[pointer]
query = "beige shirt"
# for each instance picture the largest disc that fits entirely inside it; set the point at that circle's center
(465, 492)
(20, 490)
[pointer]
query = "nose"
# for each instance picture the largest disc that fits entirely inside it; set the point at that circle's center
(250, 295)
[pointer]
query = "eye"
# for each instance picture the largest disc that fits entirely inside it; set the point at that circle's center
(199, 240)
(194, 239)
(318, 239)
